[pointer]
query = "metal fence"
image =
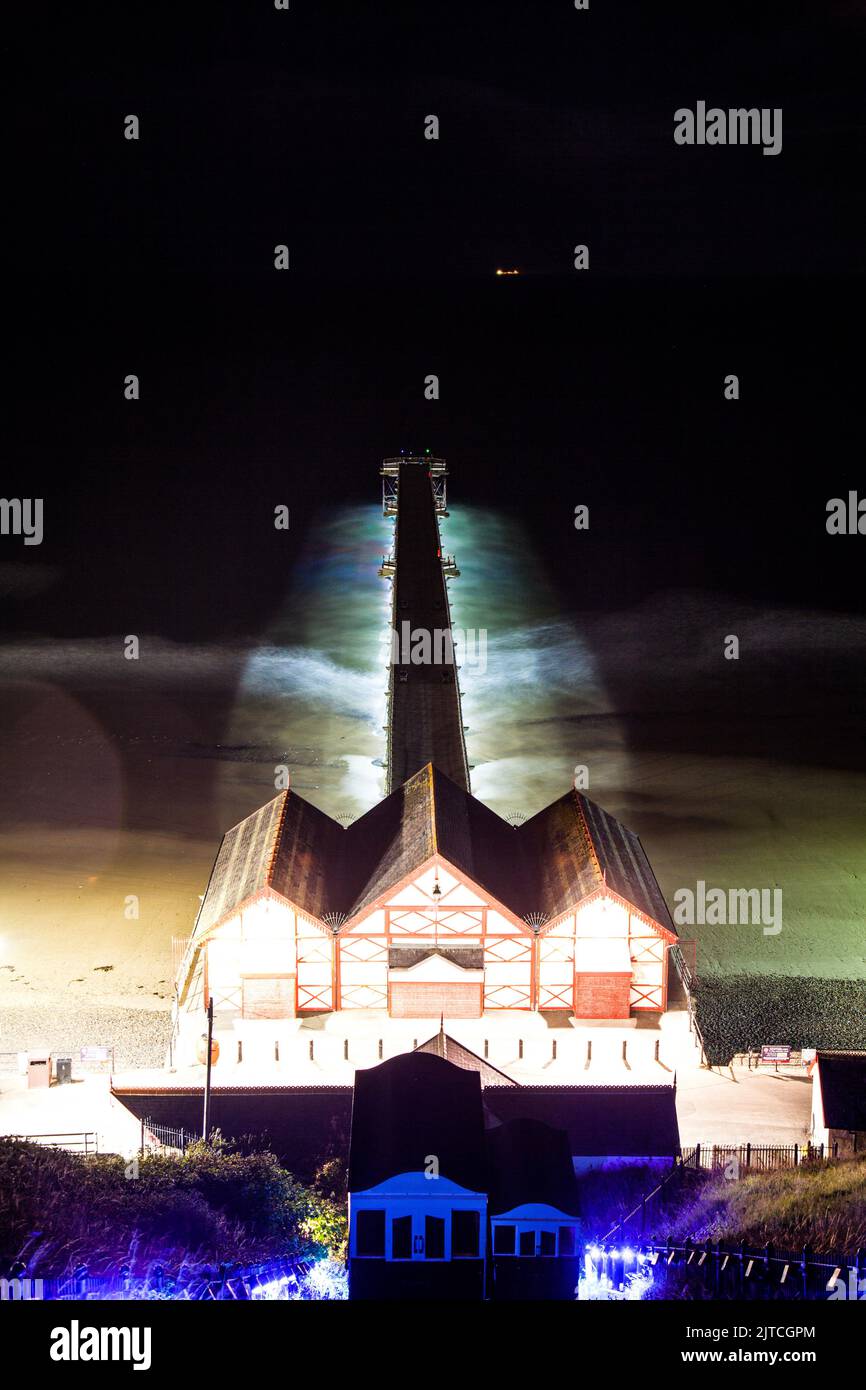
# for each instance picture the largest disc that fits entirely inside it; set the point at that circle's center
(733, 1160)
(724, 1271)
(755, 1158)
(84, 1141)
(154, 1134)
(275, 1279)
(688, 979)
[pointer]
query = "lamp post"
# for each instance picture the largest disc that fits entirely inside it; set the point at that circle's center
(205, 1128)
(437, 894)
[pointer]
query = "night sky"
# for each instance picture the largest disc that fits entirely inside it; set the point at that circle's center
(306, 127)
(558, 387)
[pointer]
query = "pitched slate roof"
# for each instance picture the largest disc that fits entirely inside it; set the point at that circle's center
(530, 1162)
(581, 847)
(410, 1107)
(441, 1045)
(843, 1089)
(629, 1121)
(241, 866)
(394, 838)
(287, 845)
(549, 864)
(430, 815)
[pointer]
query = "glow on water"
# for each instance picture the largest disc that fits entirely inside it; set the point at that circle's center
(315, 687)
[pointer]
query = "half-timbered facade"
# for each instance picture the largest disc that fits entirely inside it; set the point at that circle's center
(429, 905)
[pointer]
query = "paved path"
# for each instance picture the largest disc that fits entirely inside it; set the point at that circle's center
(84, 1105)
(757, 1107)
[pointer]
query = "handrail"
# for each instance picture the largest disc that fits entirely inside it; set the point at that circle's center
(677, 1168)
(88, 1140)
(686, 980)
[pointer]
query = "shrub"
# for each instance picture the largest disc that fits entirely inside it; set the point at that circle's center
(212, 1204)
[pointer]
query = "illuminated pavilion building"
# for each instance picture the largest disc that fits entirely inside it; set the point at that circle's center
(430, 904)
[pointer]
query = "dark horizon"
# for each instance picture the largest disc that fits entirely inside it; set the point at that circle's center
(686, 490)
(558, 387)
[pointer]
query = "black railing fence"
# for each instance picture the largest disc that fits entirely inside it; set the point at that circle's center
(755, 1158)
(717, 1270)
(275, 1279)
(649, 1216)
(688, 979)
(156, 1135)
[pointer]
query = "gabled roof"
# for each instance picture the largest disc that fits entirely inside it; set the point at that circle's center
(410, 1107)
(843, 1089)
(624, 1121)
(242, 863)
(530, 1162)
(582, 848)
(550, 864)
(441, 1045)
(429, 815)
(287, 845)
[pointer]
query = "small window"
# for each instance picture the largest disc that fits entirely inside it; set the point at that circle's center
(465, 1227)
(370, 1234)
(566, 1240)
(434, 1237)
(503, 1240)
(527, 1243)
(547, 1243)
(401, 1238)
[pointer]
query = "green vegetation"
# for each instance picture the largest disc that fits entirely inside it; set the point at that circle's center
(212, 1204)
(820, 1205)
(736, 1012)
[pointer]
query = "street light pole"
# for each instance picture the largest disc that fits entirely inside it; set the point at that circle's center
(205, 1129)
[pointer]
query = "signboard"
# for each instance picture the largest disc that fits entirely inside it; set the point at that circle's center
(776, 1052)
(94, 1054)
